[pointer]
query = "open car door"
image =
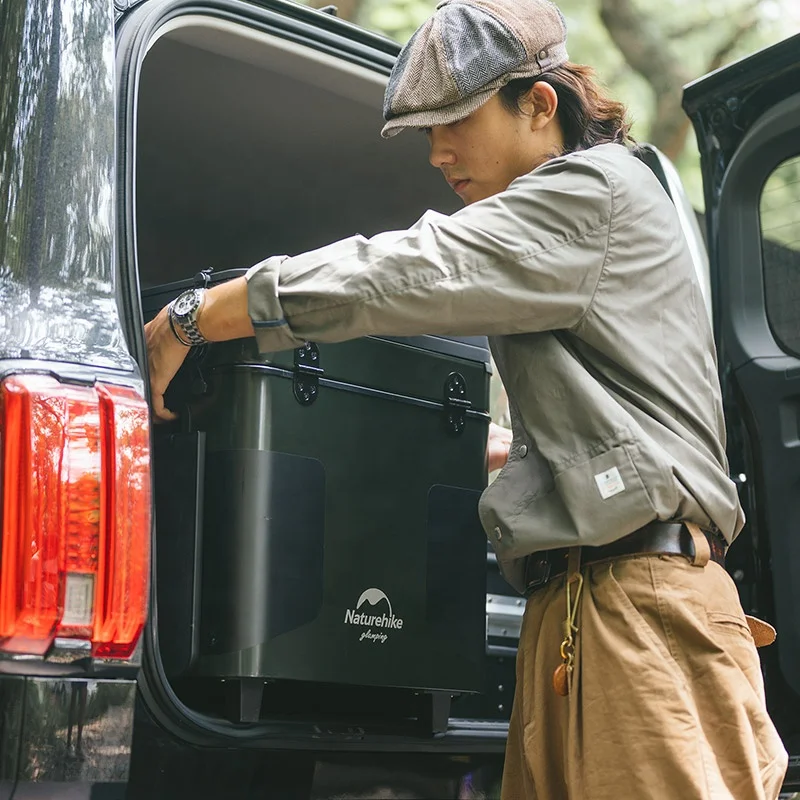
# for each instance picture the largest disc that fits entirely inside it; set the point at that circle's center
(747, 118)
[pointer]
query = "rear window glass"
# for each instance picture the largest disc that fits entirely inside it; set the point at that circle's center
(780, 241)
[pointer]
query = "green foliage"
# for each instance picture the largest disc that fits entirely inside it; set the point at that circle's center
(396, 19)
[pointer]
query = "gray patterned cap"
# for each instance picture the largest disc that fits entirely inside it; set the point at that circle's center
(465, 53)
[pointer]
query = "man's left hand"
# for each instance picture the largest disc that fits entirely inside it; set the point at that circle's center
(497, 447)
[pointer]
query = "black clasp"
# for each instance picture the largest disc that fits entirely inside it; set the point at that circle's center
(307, 372)
(456, 404)
(203, 278)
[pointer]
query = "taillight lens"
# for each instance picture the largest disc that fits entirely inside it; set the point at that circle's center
(75, 551)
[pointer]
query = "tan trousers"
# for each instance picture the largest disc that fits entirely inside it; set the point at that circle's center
(667, 700)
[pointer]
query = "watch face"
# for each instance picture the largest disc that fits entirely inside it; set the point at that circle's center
(186, 303)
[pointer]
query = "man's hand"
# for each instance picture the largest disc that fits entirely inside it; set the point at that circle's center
(165, 355)
(497, 447)
(222, 316)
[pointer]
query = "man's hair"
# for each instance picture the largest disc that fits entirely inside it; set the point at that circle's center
(587, 116)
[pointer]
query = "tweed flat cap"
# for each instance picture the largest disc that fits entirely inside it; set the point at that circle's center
(465, 53)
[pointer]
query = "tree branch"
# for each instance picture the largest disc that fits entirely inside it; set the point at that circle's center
(696, 25)
(740, 31)
(642, 45)
(691, 27)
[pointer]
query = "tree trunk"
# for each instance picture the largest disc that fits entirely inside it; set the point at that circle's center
(647, 52)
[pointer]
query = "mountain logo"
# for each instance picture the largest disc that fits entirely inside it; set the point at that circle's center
(373, 597)
(369, 618)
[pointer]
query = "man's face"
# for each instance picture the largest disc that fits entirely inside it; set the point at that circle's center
(482, 154)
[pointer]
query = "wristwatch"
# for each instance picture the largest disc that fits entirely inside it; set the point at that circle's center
(182, 313)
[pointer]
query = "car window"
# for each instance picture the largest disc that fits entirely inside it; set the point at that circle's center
(780, 242)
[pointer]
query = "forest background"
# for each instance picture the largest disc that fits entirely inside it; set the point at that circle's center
(644, 51)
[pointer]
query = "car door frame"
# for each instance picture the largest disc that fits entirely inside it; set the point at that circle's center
(747, 126)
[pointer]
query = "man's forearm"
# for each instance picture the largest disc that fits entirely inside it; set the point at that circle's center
(224, 313)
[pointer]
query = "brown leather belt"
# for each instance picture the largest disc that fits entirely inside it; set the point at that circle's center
(655, 538)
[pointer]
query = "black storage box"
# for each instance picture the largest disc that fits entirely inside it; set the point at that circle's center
(504, 612)
(317, 512)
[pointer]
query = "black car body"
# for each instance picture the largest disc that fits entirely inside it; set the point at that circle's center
(139, 142)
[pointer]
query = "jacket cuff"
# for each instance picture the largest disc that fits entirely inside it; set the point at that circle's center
(264, 307)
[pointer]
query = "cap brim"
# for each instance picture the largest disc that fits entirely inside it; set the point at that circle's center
(438, 116)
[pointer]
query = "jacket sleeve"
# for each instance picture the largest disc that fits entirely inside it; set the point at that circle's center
(525, 260)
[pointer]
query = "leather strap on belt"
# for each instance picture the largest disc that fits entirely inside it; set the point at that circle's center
(655, 538)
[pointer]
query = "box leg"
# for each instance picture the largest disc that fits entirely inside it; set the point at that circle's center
(243, 698)
(437, 712)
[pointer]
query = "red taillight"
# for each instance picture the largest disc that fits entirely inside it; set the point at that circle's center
(125, 558)
(75, 553)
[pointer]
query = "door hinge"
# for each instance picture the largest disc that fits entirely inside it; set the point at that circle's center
(456, 404)
(307, 372)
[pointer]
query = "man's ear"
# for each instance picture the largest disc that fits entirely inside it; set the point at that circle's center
(540, 104)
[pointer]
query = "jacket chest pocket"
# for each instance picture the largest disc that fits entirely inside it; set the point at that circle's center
(615, 493)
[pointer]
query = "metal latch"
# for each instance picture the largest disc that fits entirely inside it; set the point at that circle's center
(504, 616)
(307, 372)
(456, 404)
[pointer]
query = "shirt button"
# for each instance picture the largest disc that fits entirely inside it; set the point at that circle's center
(523, 451)
(498, 534)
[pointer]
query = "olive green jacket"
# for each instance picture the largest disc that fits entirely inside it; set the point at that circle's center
(580, 274)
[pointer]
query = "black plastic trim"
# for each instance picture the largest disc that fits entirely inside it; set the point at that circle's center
(67, 372)
(306, 16)
(755, 369)
(746, 330)
(753, 70)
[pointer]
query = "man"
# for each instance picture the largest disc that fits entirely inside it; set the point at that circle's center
(637, 675)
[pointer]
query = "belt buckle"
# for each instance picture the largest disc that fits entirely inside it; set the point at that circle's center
(537, 573)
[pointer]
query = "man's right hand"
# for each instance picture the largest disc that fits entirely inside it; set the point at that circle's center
(165, 354)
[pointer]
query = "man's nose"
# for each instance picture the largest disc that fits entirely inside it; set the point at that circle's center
(441, 154)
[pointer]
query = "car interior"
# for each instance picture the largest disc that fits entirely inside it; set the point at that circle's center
(248, 146)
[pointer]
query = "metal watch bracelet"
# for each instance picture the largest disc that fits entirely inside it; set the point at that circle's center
(184, 322)
(175, 333)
